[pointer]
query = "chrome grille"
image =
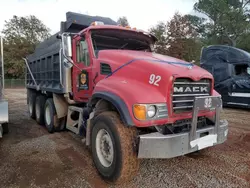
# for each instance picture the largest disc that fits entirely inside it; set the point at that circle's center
(185, 90)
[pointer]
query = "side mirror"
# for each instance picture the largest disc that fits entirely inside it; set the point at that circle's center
(67, 50)
(67, 46)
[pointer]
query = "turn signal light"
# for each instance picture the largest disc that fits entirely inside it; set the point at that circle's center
(140, 111)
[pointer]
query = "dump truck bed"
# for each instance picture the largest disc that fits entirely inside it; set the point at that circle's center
(45, 66)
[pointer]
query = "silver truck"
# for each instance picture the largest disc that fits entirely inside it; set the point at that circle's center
(4, 112)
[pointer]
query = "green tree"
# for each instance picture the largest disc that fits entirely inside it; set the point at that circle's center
(123, 21)
(21, 35)
(179, 37)
(161, 34)
(183, 39)
(227, 20)
(198, 23)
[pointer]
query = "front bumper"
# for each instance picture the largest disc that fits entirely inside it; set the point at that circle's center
(157, 145)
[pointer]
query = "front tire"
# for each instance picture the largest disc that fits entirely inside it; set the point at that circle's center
(113, 148)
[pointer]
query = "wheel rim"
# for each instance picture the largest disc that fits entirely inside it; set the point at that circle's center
(47, 115)
(37, 111)
(30, 107)
(104, 148)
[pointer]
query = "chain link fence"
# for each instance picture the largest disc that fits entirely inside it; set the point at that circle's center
(14, 83)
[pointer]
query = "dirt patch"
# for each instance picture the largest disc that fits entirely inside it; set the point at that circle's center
(31, 157)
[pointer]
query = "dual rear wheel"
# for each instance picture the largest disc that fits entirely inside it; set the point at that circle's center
(42, 109)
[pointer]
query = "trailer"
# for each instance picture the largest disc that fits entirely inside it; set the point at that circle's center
(104, 82)
(4, 113)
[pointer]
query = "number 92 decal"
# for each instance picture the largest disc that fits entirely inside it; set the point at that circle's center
(154, 79)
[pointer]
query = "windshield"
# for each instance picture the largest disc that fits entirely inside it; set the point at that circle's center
(235, 55)
(242, 70)
(120, 39)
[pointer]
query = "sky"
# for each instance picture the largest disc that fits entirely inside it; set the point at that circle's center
(140, 14)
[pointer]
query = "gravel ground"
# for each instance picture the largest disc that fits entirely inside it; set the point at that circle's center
(31, 157)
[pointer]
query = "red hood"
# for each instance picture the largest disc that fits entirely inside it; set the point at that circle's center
(146, 78)
(151, 62)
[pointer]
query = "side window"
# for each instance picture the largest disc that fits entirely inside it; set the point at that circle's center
(82, 53)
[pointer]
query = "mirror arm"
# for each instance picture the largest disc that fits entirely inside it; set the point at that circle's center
(72, 62)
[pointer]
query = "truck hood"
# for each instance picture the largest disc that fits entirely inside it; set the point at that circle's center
(122, 60)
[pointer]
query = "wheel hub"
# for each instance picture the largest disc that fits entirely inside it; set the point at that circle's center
(104, 148)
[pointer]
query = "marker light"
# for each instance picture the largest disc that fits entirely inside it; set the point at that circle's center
(97, 23)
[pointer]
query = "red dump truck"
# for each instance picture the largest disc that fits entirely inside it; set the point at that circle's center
(104, 82)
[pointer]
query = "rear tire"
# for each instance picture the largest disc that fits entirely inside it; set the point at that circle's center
(113, 148)
(31, 104)
(39, 109)
(49, 113)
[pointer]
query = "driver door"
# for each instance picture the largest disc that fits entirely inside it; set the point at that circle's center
(82, 75)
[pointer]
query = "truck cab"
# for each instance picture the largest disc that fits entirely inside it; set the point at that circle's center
(103, 81)
(231, 70)
(101, 49)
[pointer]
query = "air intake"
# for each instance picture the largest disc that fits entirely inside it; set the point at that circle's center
(105, 69)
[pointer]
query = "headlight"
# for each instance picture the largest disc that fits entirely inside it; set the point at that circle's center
(150, 111)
